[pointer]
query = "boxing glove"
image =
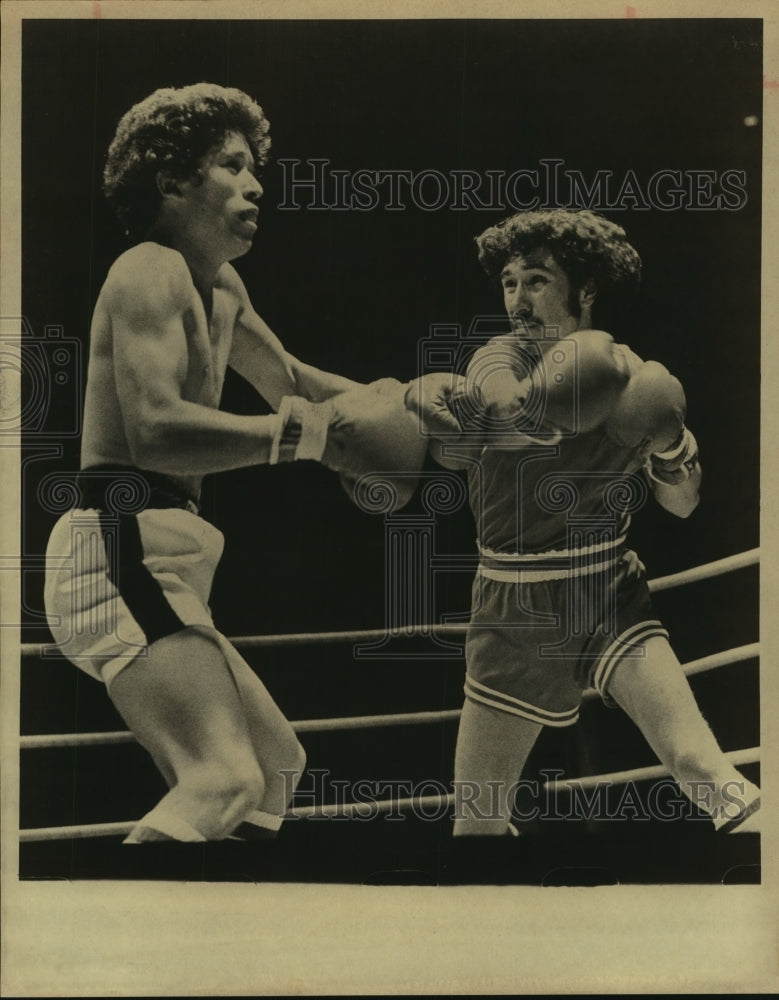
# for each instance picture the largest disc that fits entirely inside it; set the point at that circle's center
(355, 433)
(510, 399)
(649, 413)
(674, 466)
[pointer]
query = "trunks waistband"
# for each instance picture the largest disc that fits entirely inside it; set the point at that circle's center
(125, 489)
(558, 564)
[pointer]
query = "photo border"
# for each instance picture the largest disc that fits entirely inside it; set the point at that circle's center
(150, 938)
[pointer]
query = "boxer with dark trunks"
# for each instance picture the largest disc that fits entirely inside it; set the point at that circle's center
(129, 569)
(561, 432)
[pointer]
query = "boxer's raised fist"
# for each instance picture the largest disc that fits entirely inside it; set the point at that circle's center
(440, 404)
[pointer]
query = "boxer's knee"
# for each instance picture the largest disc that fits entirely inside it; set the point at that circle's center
(298, 763)
(224, 791)
(284, 771)
(298, 758)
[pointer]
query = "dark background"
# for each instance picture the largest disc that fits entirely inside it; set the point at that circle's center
(355, 292)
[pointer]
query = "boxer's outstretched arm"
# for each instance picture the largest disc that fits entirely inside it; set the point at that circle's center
(259, 356)
(148, 296)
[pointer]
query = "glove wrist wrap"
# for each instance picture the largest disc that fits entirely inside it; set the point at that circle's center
(302, 431)
(674, 466)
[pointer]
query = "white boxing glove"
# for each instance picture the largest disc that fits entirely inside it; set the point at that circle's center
(675, 466)
(355, 433)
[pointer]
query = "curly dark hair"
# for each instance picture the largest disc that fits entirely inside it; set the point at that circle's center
(172, 130)
(587, 247)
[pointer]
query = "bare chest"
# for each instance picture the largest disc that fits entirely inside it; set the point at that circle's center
(209, 338)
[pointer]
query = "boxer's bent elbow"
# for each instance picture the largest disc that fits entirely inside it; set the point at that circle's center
(154, 438)
(677, 500)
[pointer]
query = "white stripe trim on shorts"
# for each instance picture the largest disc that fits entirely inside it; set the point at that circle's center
(477, 691)
(629, 639)
(529, 557)
(556, 564)
(541, 575)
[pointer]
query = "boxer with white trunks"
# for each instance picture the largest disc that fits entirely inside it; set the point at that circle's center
(562, 432)
(129, 569)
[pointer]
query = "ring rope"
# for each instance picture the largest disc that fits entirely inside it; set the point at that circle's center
(43, 742)
(34, 836)
(380, 806)
(303, 726)
(736, 655)
(369, 809)
(707, 570)
(694, 575)
(736, 757)
(705, 663)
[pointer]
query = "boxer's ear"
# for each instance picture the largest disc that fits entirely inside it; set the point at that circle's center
(167, 185)
(587, 293)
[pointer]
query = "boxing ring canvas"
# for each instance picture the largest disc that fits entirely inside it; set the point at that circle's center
(395, 143)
